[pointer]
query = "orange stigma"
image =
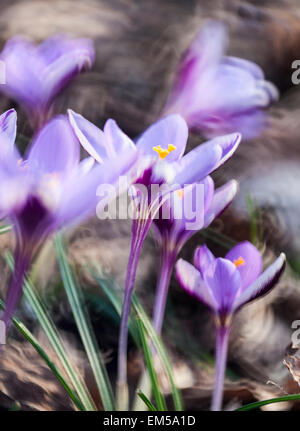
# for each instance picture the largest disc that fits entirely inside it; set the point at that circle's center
(238, 262)
(180, 193)
(163, 152)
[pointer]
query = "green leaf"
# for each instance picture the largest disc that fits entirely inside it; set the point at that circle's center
(33, 341)
(159, 399)
(147, 402)
(161, 350)
(53, 336)
(110, 288)
(84, 326)
(258, 404)
(5, 228)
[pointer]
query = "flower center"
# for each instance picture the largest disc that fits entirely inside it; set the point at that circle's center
(238, 262)
(162, 152)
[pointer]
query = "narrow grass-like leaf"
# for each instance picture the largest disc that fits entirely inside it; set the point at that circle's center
(161, 350)
(84, 326)
(34, 342)
(110, 289)
(50, 330)
(257, 404)
(159, 399)
(147, 402)
(5, 228)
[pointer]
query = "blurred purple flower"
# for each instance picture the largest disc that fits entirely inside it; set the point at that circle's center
(226, 285)
(217, 94)
(188, 210)
(47, 190)
(35, 74)
(161, 161)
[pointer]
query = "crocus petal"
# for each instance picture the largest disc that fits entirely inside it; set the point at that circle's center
(80, 192)
(248, 260)
(197, 164)
(171, 130)
(220, 201)
(229, 144)
(116, 141)
(263, 284)
(64, 58)
(190, 280)
(203, 258)
(55, 148)
(90, 137)
(224, 280)
(8, 129)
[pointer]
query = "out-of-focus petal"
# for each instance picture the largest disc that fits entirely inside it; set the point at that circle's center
(191, 281)
(248, 261)
(80, 192)
(220, 201)
(265, 282)
(55, 149)
(169, 131)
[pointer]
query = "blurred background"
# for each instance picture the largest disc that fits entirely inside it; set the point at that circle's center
(138, 45)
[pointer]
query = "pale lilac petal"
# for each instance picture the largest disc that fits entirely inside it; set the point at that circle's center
(64, 58)
(229, 144)
(197, 164)
(203, 258)
(265, 282)
(191, 281)
(55, 149)
(8, 129)
(79, 197)
(250, 260)
(170, 130)
(90, 137)
(223, 196)
(116, 141)
(224, 280)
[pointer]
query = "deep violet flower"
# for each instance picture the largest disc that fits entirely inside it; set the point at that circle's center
(225, 286)
(47, 190)
(173, 232)
(161, 161)
(217, 94)
(35, 74)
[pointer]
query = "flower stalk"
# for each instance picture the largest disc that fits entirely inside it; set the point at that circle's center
(222, 338)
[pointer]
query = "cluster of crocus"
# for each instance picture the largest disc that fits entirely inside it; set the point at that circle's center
(167, 165)
(218, 94)
(47, 189)
(174, 232)
(225, 285)
(50, 188)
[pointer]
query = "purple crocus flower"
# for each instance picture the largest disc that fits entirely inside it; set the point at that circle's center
(47, 190)
(226, 285)
(161, 161)
(35, 74)
(188, 210)
(217, 94)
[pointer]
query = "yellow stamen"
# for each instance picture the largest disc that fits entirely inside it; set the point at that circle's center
(238, 262)
(164, 152)
(180, 193)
